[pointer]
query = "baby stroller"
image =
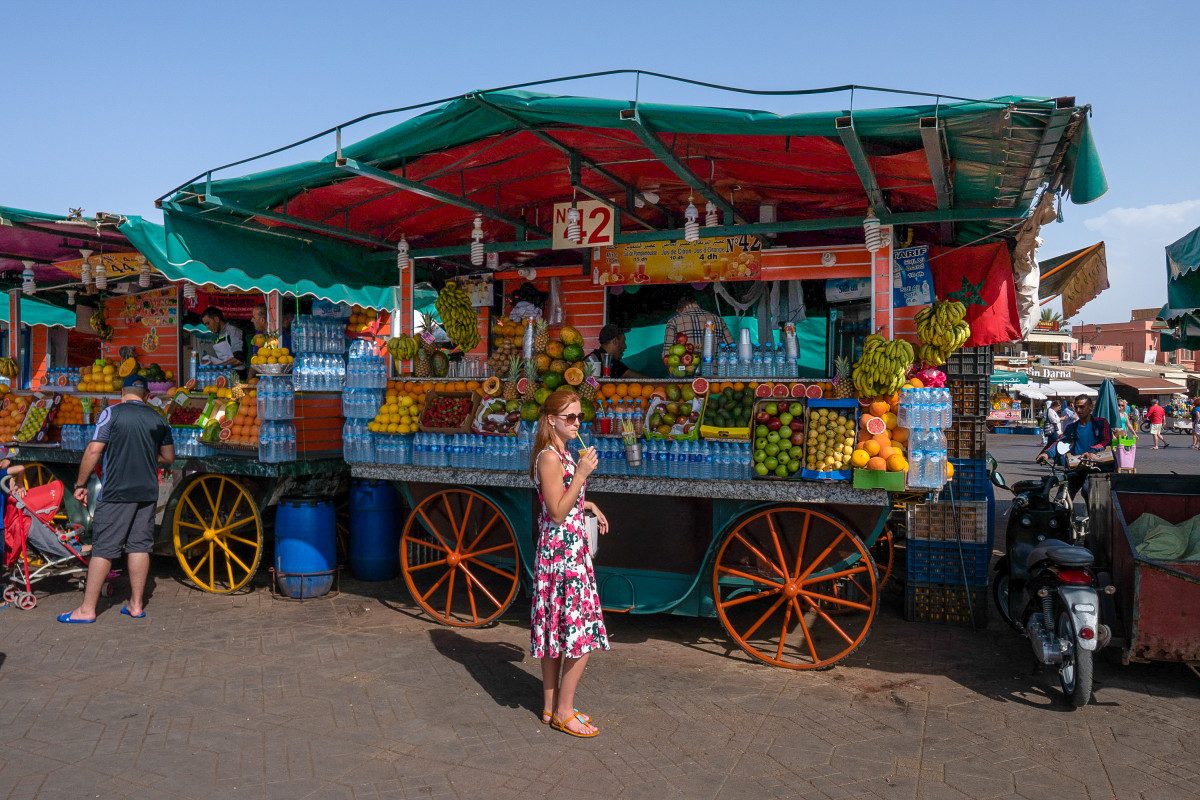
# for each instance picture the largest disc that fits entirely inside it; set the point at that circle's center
(35, 548)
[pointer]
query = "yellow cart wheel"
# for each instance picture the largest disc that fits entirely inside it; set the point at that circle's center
(217, 533)
(38, 474)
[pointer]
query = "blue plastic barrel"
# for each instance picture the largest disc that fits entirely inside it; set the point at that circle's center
(374, 531)
(305, 546)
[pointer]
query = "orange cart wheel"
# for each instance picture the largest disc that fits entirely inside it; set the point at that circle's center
(884, 553)
(795, 587)
(459, 558)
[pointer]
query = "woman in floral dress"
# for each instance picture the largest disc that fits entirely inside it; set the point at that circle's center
(567, 623)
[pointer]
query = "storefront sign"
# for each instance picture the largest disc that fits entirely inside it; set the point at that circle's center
(912, 280)
(1047, 374)
(116, 265)
(597, 223)
(842, 290)
(732, 258)
(233, 304)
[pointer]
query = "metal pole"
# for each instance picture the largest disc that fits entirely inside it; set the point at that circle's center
(14, 333)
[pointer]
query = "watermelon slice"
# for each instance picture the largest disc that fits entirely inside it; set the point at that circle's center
(700, 387)
(813, 392)
(522, 386)
(876, 425)
(763, 391)
(780, 391)
(798, 390)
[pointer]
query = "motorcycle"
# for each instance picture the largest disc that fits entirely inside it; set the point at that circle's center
(1045, 585)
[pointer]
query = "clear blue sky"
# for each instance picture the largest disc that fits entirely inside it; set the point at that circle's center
(107, 106)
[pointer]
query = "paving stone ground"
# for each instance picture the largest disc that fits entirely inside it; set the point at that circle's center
(360, 697)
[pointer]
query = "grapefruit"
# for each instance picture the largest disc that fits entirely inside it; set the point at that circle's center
(813, 392)
(879, 408)
(897, 463)
(225, 433)
(889, 419)
(875, 425)
(763, 391)
(877, 464)
(700, 387)
(220, 382)
(900, 435)
(871, 447)
(798, 390)
(780, 391)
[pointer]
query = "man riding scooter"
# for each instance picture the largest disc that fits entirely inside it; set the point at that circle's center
(1090, 438)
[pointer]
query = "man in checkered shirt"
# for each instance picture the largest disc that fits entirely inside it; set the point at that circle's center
(690, 319)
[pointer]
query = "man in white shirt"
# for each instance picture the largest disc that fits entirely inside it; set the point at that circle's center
(228, 347)
(1052, 428)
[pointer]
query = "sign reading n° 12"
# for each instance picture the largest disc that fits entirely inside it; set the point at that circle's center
(597, 224)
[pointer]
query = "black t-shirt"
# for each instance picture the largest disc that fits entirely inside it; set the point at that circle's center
(133, 433)
(616, 366)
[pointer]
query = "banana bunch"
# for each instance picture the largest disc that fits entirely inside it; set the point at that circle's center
(942, 330)
(458, 316)
(403, 348)
(883, 367)
(8, 368)
(99, 325)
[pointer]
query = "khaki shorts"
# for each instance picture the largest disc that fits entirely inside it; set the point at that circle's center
(1156, 429)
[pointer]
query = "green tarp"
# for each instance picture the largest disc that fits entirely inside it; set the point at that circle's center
(228, 256)
(35, 312)
(1183, 277)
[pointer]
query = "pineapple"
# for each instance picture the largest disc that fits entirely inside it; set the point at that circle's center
(421, 367)
(541, 336)
(532, 374)
(514, 375)
(587, 389)
(842, 385)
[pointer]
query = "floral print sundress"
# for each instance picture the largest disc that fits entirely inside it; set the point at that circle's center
(566, 619)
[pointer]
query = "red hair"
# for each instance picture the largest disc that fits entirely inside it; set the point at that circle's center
(555, 404)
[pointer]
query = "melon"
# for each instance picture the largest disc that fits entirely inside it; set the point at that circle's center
(570, 336)
(572, 352)
(491, 386)
(552, 380)
(128, 367)
(439, 364)
(573, 376)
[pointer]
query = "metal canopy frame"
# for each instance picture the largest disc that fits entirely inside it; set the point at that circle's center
(858, 156)
(1053, 135)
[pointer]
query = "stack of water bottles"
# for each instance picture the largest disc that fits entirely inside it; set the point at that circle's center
(276, 398)
(471, 451)
(319, 372)
(365, 369)
(359, 444)
(76, 437)
(926, 413)
(761, 361)
(187, 442)
(207, 375)
(691, 459)
(318, 335)
(276, 442)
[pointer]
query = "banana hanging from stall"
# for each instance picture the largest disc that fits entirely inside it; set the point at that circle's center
(8, 368)
(942, 329)
(403, 348)
(883, 367)
(458, 316)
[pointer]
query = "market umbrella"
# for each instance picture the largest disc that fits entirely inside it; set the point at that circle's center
(1106, 403)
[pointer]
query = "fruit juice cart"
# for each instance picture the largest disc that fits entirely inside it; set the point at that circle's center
(591, 201)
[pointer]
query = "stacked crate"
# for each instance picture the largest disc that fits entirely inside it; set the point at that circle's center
(949, 541)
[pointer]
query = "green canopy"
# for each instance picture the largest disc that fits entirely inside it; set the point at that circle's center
(35, 312)
(227, 256)
(1005, 378)
(1183, 277)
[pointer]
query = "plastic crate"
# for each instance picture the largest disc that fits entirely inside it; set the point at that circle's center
(952, 563)
(946, 605)
(970, 361)
(970, 396)
(966, 439)
(970, 481)
(936, 521)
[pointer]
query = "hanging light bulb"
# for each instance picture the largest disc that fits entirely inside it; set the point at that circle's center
(144, 275)
(872, 234)
(71, 297)
(477, 242)
(85, 271)
(691, 226)
(403, 261)
(27, 281)
(189, 292)
(710, 214)
(101, 275)
(574, 232)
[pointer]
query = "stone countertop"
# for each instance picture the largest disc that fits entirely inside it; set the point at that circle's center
(220, 464)
(753, 490)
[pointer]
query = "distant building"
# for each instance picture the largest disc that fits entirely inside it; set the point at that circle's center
(1136, 341)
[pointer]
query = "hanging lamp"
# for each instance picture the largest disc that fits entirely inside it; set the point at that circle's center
(574, 231)
(71, 297)
(691, 224)
(710, 214)
(85, 270)
(27, 279)
(189, 292)
(101, 275)
(403, 260)
(144, 274)
(477, 242)
(872, 232)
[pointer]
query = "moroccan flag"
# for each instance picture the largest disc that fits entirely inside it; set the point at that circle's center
(981, 278)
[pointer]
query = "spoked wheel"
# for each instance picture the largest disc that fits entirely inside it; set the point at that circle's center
(38, 474)
(884, 553)
(217, 533)
(459, 558)
(795, 587)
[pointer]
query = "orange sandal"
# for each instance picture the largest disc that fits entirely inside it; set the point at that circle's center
(561, 725)
(547, 714)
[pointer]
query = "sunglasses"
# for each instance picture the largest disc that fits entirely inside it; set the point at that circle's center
(570, 419)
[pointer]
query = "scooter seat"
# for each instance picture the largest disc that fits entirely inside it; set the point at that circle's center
(1061, 553)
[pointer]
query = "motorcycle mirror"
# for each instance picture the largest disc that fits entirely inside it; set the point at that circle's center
(998, 480)
(1062, 448)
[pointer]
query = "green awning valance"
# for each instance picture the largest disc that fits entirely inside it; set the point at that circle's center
(35, 312)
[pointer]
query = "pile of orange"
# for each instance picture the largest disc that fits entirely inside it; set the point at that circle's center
(882, 443)
(12, 416)
(638, 393)
(244, 429)
(361, 320)
(70, 411)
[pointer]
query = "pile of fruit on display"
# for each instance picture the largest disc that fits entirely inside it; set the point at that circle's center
(100, 325)
(365, 320)
(186, 414)
(102, 376)
(881, 442)
(508, 338)
(12, 415)
(218, 423)
(398, 414)
(675, 414)
(557, 356)
(427, 359)
(682, 358)
(458, 316)
(35, 420)
(242, 427)
(497, 417)
(70, 411)
(447, 412)
(829, 438)
(883, 368)
(942, 329)
(778, 450)
(729, 409)
(8, 369)
(271, 353)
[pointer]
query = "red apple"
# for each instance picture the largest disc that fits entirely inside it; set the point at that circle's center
(797, 438)
(681, 338)
(762, 417)
(774, 424)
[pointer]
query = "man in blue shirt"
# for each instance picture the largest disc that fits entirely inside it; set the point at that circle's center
(1089, 437)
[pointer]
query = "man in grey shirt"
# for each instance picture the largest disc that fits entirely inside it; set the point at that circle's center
(134, 440)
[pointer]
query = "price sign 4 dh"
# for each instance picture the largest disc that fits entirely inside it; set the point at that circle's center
(597, 224)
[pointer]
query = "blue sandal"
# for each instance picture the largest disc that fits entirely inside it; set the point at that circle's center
(125, 611)
(67, 619)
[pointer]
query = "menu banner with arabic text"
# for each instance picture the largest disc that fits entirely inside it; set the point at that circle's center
(732, 258)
